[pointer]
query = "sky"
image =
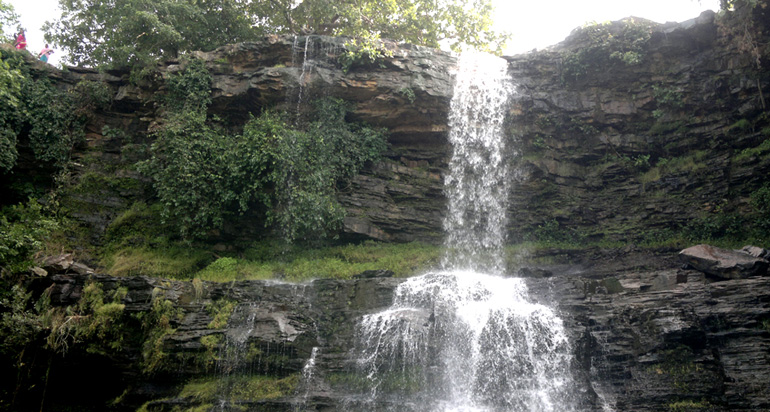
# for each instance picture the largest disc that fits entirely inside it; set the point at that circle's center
(534, 24)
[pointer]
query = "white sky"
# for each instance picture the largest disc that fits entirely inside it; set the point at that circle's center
(534, 23)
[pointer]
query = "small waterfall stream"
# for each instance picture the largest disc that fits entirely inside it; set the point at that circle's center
(464, 338)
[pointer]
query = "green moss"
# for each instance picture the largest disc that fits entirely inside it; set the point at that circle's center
(661, 128)
(742, 125)
(689, 164)
(760, 150)
(94, 183)
(766, 325)
(238, 388)
(253, 353)
(211, 343)
(139, 224)
(354, 382)
(689, 405)
(157, 325)
(220, 312)
(263, 387)
(95, 321)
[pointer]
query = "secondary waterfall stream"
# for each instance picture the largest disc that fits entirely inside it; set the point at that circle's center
(465, 338)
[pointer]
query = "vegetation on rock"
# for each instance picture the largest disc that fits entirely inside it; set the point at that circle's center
(203, 174)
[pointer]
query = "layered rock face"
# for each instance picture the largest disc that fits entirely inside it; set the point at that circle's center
(617, 148)
(665, 338)
(610, 148)
(646, 336)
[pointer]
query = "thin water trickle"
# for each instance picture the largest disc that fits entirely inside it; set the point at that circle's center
(466, 339)
(306, 67)
(233, 351)
(306, 383)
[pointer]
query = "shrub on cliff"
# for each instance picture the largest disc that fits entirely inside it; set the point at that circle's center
(37, 116)
(205, 175)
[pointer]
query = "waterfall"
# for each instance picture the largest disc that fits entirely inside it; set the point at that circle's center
(465, 338)
(477, 185)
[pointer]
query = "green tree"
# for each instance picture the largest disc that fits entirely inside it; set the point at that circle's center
(9, 20)
(423, 22)
(125, 32)
(38, 115)
(120, 32)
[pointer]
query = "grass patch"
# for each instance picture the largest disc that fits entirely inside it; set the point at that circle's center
(138, 243)
(176, 262)
(273, 260)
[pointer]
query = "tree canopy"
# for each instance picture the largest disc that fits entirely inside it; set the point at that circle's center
(120, 32)
(8, 20)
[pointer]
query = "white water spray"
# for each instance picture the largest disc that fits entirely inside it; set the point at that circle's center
(459, 340)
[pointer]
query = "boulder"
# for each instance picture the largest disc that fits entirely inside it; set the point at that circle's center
(59, 263)
(724, 263)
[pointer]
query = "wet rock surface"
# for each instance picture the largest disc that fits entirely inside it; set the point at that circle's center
(644, 339)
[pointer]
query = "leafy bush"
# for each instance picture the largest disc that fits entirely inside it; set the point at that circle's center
(205, 176)
(605, 44)
(363, 52)
(309, 164)
(760, 200)
(191, 90)
(716, 226)
(23, 229)
(52, 119)
(10, 93)
(157, 325)
(93, 321)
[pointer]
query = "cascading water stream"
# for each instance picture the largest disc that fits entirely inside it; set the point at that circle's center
(477, 184)
(465, 338)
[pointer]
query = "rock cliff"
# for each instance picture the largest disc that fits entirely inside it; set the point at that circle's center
(646, 334)
(608, 148)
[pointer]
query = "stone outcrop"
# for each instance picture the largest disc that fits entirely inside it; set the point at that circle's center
(399, 199)
(606, 149)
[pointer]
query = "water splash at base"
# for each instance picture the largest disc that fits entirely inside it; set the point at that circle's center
(465, 341)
